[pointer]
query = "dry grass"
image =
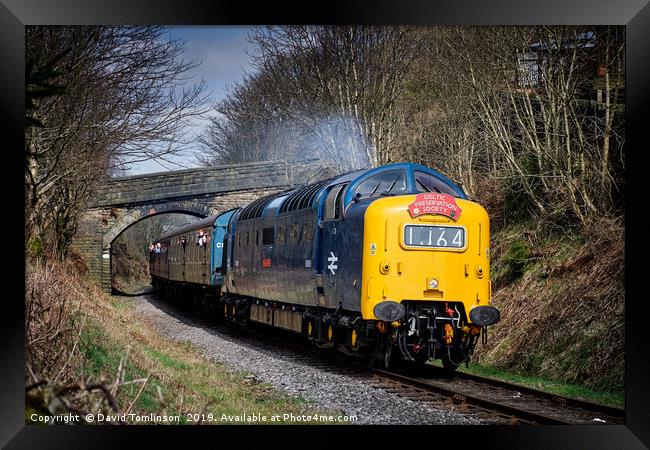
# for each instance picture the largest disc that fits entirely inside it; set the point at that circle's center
(54, 323)
(87, 352)
(130, 269)
(563, 319)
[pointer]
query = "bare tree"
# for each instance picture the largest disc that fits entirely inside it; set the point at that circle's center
(330, 90)
(246, 127)
(521, 103)
(98, 98)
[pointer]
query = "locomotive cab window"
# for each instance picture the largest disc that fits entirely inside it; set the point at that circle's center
(268, 236)
(334, 203)
(390, 182)
(428, 183)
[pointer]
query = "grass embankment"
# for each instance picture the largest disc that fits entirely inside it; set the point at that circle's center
(577, 391)
(107, 343)
(130, 270)
(562, 302)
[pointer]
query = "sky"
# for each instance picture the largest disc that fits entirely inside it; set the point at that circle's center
(222, 52)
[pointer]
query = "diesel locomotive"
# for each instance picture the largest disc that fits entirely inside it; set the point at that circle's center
(390, 263)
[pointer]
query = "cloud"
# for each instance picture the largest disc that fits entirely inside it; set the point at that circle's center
(221, 51)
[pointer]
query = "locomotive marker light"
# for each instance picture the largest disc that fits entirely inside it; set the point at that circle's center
(433, 283)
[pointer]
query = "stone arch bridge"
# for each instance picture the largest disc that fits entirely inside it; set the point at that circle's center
(201, 192)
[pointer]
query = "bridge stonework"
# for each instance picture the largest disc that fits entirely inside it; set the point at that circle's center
(201, 192)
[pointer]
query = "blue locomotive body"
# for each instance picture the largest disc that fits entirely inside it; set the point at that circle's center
(298, 260)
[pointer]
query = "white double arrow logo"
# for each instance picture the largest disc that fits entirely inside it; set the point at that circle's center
(332, 266)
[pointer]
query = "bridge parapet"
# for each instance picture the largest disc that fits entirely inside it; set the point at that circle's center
(195, 183)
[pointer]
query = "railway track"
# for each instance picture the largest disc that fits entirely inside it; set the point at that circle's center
(498, 402)
(493, 401)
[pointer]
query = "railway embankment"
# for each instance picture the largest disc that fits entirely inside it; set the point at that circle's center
(562, 299)
(89, 353)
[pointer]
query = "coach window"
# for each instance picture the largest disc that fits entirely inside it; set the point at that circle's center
(333, 203)
(426, 182)
(268, 236)
(389, 182)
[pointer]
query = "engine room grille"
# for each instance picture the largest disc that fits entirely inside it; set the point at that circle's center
(303, 197)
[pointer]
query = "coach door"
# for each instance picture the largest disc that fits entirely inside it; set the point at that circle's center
(329, 248)
(217, 243)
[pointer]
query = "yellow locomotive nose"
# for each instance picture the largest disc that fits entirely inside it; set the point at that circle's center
(437, 258)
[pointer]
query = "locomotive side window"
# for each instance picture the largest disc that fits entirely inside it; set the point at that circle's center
(386, 182)
(281, 234)
(268, 236)
(257, 237)
(307, 232)
(428, 183)
(333, 207)
(295, 231)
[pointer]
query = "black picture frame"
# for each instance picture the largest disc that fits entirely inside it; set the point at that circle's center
(634, 14)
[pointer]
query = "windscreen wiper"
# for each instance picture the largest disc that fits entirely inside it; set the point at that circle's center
(391, 186)
(374, 190)
(427, 189)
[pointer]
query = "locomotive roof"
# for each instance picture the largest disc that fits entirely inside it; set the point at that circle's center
(304, 196)
(202, 223)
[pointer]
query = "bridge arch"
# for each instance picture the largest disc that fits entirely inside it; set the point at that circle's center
(136, 215)
(122, 202)
(139, 214)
